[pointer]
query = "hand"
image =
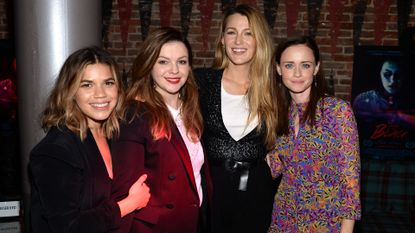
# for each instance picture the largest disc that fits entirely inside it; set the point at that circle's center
(138, 197)
(140, 192)
(347, 226)
(267, 159)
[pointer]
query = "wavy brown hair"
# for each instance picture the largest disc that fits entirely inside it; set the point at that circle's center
(142, 91)
(318, 88)
(61, 108)
(261, 93)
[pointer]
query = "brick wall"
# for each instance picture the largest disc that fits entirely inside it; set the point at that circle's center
(5, 15)
(339, 62)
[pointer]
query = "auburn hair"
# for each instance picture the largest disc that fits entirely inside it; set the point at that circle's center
(142, 92)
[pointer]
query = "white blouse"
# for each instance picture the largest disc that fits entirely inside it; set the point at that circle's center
(235, 112)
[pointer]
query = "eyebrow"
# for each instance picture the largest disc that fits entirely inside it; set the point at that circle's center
(234, 28)
(90, 81)
(392, 70)
(294, 62)
(170, 59)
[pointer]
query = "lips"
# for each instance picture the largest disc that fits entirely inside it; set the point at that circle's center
(297, 82)
(100, 105)
(173, 80)
(239, 50)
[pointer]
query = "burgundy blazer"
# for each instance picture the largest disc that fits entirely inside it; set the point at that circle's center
(174, 203)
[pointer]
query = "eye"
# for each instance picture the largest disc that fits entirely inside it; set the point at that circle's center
(183, 62)
(387, 74)
(162, 62)
(397, 76)
(306, 65)
(86, 84)
(230, 32)
(110, 82)
(289, 66)
(248, 33)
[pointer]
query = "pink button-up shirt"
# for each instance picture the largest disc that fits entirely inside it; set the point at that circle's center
(195, 151)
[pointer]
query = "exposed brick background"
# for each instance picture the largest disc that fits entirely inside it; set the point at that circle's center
(5, 14)
(387, 182)
(339, 64)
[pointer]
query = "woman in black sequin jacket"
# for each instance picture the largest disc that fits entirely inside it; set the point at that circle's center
(239, 109)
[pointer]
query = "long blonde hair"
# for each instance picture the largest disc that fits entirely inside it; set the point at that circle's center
(261, 93)
(142, 91)
(61, 108)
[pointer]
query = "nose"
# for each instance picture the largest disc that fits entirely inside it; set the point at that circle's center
(99, 91)
(393, 79)
(238, 38)
(297, 71)
(174, 69)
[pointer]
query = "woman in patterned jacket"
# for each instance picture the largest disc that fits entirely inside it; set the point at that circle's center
(317, 150)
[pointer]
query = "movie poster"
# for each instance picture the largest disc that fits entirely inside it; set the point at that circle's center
(383, 99)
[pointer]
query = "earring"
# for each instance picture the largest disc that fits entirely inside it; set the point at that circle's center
(315, 81)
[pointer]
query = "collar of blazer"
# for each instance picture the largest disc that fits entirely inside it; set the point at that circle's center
(180, 146)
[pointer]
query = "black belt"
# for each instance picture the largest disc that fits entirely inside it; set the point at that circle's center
(237, 166)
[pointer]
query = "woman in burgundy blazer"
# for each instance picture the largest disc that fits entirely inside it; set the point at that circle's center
(161, 138)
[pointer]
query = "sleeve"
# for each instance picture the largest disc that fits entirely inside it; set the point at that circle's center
(275, 163)
(59, 189)
(362, 104)
(349, 162)
(129, 164)
(128, 160)
(357, 103)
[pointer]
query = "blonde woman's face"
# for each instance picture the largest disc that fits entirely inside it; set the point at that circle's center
(97, 94)
(239, 41)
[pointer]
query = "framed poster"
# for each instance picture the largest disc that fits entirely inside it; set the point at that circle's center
(383, 99)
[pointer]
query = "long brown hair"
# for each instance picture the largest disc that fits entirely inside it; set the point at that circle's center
(142, 91)
(61, 108)
(318, 87)
(261, 93)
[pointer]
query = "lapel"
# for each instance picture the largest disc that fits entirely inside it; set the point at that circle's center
(178, 143)
(217, 104)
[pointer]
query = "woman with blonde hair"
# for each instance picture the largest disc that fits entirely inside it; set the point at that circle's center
(71, 168)
(239, 109)
(161, 137)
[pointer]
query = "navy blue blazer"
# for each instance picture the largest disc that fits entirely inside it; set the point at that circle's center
(70, 186)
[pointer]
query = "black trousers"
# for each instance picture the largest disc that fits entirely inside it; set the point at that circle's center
(242, 211)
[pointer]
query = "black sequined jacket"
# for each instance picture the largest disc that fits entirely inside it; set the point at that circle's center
(218, 143)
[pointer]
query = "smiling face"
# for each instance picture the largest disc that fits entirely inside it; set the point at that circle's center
(171, 70)
(97, 94)
(238, 39)
(390, 75)
(297, 68)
